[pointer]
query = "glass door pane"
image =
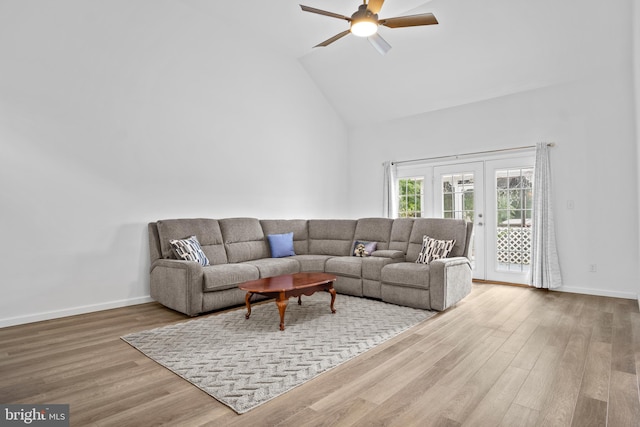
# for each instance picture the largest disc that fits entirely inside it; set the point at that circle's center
(509, 219)
(458, 194)
(513, 227)
(411, 193)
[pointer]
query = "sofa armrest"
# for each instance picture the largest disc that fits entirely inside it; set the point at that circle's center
(388, 253)
(177, 284)
(449, 281)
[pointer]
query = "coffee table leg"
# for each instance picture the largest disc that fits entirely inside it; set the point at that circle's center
(333, 298)
(282, 302)
(248, 303)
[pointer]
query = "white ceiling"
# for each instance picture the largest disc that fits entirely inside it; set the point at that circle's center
(481, 49)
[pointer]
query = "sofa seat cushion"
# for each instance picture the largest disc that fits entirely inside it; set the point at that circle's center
(348, 266)
(310, 263)
(227, 276)
(269, 267)
(408, 274)
(372, 267)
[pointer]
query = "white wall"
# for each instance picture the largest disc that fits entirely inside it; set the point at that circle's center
(594, 164)
(114, 114)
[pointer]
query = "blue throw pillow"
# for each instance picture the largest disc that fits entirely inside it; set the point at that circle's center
(281, 245)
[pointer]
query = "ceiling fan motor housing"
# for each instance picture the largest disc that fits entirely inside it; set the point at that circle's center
(364, 14)
(364, 17)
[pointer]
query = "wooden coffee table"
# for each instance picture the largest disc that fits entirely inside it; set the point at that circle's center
(289, 285)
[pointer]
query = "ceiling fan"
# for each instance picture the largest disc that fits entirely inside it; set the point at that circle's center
(364, 23)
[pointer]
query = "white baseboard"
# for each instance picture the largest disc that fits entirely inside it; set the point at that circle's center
(37, 317)
(599, 292)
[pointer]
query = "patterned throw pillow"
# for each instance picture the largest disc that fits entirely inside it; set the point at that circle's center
(434, 249)
(189, 250)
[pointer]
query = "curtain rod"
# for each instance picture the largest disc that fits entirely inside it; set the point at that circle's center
(502, 150)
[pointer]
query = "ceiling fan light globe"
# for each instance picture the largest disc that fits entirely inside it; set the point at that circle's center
(364, 28)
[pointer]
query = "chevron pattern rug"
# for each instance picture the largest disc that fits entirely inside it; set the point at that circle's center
(244, 363)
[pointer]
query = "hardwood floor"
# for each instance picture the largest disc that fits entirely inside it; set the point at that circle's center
(504, 356)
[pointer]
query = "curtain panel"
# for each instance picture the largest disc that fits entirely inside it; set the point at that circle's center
(389, 191)
(545, 263)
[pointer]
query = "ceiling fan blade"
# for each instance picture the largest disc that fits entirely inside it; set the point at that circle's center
(379, 43)
(409, 21)
(324, 12)
(332, 39)
(375, 5)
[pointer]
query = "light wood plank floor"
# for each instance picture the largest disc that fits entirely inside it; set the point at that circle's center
(504, 356)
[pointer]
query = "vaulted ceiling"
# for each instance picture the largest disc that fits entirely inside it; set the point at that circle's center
(481, 49)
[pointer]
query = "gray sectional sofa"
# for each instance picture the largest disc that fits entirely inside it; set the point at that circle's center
(238, 250)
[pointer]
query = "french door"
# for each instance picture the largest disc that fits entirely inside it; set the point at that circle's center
(496, 194)
(509, 220)
(459, 194)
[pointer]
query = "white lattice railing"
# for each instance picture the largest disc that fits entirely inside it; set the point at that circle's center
(514, 245)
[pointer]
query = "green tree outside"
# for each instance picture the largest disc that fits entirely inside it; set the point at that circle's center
(410, 193)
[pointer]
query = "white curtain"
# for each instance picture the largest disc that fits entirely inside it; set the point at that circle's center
(545, 265)
(390, 192)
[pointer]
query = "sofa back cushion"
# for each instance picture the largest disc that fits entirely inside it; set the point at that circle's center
(207, 231)
(331, 236)
(437, 228)
(400, 233)
(296, 226)
(376, 230)
(244, 239)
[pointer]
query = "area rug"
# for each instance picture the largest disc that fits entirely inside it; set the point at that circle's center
(244, 363)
